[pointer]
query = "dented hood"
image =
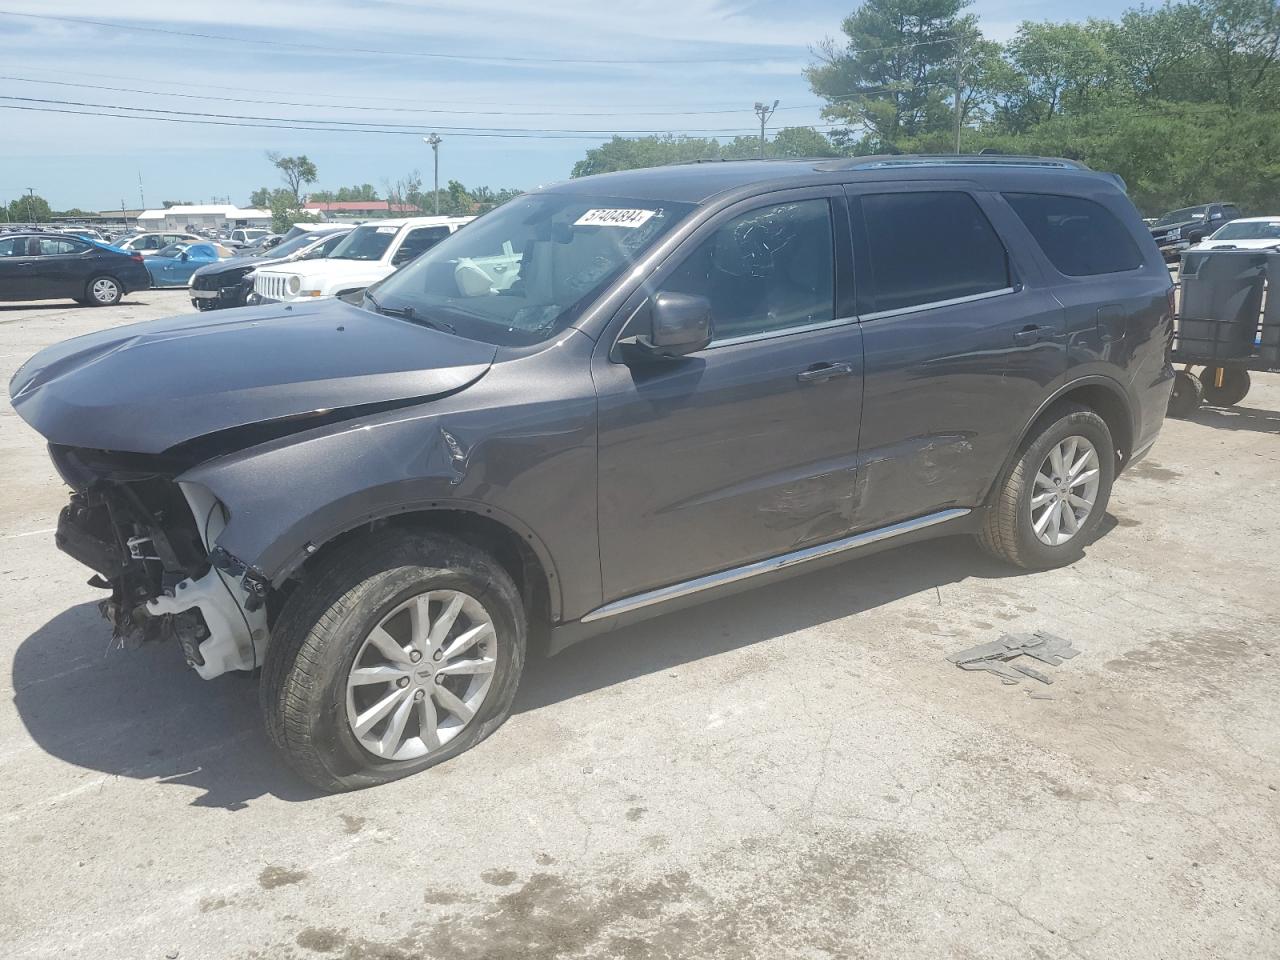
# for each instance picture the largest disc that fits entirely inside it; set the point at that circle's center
(148, 387)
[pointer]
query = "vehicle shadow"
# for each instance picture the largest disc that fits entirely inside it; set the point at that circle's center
(143, 714)
(733, 622)
(1239, 418)
(28, 306)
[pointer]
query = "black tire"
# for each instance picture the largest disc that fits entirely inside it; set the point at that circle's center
(1235, 386)
(103, 291)
(204, 305)
(1007, 531)
(1187, 393)
(322, 625)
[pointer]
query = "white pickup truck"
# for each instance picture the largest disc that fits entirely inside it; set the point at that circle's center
(369, 253)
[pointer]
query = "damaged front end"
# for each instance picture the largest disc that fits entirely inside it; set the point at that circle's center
(150, 540)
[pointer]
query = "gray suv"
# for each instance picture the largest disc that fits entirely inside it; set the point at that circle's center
(600, 402)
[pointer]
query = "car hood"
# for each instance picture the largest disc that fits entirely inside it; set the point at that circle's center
(1263, 244)
(334, 269)
(240, 263)
(148, 387)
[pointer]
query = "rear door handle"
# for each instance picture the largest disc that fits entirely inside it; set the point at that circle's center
(1033, 334)
(824, 371)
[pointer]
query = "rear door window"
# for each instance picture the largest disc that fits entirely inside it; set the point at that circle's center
(1080, 237)
(50, 247)
(418, 241)
(926, 248)
(766, 270)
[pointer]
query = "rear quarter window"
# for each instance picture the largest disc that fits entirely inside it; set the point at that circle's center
(1081, 238)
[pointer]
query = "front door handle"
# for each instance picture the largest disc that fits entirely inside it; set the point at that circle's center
(1033, 333)
(824, 371)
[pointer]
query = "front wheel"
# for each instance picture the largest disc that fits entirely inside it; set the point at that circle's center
(397, 652)
(1049, 506)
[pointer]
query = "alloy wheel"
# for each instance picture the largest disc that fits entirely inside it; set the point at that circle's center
(104, 290)
(421, 675)
(1064, 490)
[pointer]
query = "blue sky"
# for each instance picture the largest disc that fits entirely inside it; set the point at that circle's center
(738, 52)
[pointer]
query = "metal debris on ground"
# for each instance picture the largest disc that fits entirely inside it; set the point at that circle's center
(995, 657)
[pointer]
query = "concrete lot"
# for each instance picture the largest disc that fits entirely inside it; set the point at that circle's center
(794, 772)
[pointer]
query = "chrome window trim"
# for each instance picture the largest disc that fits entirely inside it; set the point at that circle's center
(935, 304)
(781, 332)
(780, 562)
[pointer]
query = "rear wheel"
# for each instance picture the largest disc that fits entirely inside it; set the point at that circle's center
(1049, 506)
(399, 651)
(1235, 385)
(103, 292)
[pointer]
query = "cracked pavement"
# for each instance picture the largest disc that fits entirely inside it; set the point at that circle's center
(796, 771)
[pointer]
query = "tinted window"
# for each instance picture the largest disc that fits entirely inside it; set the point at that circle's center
(929, 247)
(419, 241)
(769, 269)
(13, 247)
(1081, 238)
(50, 247)
(1230, 212)
(365, 243)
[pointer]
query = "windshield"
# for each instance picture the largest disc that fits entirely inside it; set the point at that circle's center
(1245, 230)
(1182, 216)
(369, 242)
(288, 247)
(525, 271)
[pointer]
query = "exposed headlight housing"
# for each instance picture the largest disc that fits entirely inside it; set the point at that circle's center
(1175, 234)
(294, 285)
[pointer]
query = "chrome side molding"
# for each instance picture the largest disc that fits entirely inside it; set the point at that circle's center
(780, 562)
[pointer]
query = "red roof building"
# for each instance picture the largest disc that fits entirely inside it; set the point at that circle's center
(361, 207)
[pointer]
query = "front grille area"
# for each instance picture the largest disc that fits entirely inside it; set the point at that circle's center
(216, 281)
(272, 286)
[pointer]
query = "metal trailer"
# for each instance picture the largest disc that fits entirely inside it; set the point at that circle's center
(1227, 323)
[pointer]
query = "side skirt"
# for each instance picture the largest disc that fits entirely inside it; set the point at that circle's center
(676, 596)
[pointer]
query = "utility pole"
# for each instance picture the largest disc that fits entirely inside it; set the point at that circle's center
(764, 112)
(30, 196)
(141, 197)
(959, 84)
(434, 141)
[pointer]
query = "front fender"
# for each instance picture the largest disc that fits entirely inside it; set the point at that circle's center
(529, 465)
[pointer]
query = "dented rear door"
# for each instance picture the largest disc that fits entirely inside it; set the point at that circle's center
(961, 343)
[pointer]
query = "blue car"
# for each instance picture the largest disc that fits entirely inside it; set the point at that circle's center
(174, 265)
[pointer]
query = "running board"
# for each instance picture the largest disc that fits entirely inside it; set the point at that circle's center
(781, 562)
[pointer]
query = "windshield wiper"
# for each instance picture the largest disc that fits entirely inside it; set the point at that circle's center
(408, 313)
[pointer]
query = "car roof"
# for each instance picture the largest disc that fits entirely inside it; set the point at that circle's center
(1271, 219)
(700, 181)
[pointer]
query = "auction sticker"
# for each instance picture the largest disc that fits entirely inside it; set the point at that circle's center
(388, 229)
(614, 218)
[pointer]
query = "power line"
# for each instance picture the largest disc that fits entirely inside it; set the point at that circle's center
(285, 125)
(373, 109)
(339, 124)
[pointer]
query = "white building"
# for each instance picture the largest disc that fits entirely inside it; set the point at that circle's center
(202, 216)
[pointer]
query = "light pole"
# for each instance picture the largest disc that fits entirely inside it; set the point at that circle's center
(764, 112)
(434, 141)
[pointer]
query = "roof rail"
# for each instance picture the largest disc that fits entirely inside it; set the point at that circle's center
(950, 159)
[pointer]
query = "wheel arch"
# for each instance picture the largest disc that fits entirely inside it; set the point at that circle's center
(509, 540)
(1104, 396)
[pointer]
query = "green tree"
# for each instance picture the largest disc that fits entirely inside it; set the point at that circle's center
(260, 199)
(176, 203)
(628, 153)
(894, 75)
(29, 209)
(294, 171)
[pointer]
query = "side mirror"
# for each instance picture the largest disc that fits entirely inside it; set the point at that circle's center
(680, 325)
